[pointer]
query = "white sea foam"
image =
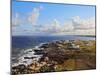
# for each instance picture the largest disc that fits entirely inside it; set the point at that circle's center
(28, 56)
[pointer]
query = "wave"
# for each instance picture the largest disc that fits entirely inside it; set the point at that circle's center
(28, 56)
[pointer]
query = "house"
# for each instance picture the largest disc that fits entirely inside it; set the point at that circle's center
(72, 46)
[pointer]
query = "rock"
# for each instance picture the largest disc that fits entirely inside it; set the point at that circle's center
(38, 52)
(44, 46)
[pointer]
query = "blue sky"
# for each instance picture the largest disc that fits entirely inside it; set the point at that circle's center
(31, 18)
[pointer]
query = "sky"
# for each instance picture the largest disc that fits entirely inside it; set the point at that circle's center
(34, 18)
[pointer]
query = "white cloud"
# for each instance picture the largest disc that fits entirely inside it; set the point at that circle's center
(19, 21)
(16, 20)
(57, 27)
(68, 26)
(31, 19)
(76, 26)
(83, 24)
(34, 15)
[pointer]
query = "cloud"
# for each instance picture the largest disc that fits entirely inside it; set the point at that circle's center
(34, 15)
(56, 27)
(83, 24)
(76, 26)
(16, 20)
(31, 19)
(21, 24)
(68, 26)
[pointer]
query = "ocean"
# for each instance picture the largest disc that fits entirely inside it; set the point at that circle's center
(22, 43)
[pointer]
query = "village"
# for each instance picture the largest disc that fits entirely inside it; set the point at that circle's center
(61, 55)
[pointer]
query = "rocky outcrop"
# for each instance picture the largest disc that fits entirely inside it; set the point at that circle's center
(47, 56)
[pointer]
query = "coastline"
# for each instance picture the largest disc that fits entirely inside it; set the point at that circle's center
(54, 51)
(87, 35)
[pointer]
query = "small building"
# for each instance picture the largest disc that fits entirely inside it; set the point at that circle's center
(72, 46)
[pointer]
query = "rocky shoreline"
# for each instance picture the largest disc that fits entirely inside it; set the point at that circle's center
(61, 55)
